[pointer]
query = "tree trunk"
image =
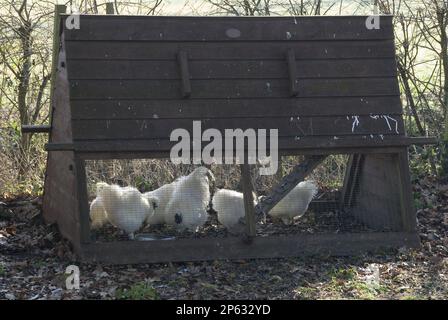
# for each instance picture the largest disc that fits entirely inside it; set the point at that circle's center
(22, 94)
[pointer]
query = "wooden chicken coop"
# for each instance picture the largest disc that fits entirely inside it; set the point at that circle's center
(328, 84)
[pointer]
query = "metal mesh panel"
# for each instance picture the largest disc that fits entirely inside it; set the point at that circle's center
(334, 208)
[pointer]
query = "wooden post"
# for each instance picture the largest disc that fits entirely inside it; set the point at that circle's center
(83, 201)
(249, 208)
(351, 180)
(408, 212)
(182, 58)
(58, 11)
(110, 8)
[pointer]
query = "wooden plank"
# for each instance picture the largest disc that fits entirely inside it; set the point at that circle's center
(132, 252)
(230, 69)
(287, 127)
(219, 108)
(351, 180)
(292, 70)
(289, 182)
(60, 199)
(58, 11)
(287, 146)
(184, 73)
(36, 129)
(266, 50)
(248, 192)
(83, 199)
(209, 89)
(132, 155)
(203, 29)
(408, 212)
(378, 202)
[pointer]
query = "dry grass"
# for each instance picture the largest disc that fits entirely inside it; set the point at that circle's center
(150, 174)
(10, 159)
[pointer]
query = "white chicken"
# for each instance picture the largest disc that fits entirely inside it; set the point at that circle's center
(296, 202)
(187, 208)
(229, 206)
(126, 208)
(98, 215)
(163, 194)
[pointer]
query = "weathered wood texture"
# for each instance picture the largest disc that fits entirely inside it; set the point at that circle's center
(314, 79)
(351, 180)
(328, 84)
(234, 248)
(60, 203)
(379, 202)
(249, 208)
(36, 129)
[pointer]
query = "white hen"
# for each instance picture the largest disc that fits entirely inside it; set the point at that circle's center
(229, 205)
(98, 215)
(187, 208)
(296, 203)
(163, 194)
(126, 208)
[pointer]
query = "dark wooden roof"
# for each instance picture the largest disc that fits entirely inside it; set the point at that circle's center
(127, 90)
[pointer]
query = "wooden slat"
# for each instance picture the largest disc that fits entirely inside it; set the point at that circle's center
(215, 108)
(378, 200)
(60, 201)
(83, 204)
(58, 11)
(131, 252)
(292, 71)
(408, 212)
(36, 129)
(287, 146)
(287, 127)
(351, 180)
(230, 69)
(184, 73)
(288, 183)
(228, 28)
(248, 192)
(206, 89)
(266, 50)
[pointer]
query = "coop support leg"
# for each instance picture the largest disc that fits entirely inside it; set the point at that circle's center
(408, 213)
(248, 191)
(83, 202)
(351, 180)
(298, 174)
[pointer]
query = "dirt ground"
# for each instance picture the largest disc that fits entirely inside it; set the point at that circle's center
(33, 259)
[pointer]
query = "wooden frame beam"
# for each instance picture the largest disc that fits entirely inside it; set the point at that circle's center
(351, 180)
(246, 181)
(298, 174)
(182, 250)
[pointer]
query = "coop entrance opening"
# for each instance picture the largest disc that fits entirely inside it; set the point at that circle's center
(135, 200)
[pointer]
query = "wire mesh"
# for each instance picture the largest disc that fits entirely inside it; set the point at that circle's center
(151, 200)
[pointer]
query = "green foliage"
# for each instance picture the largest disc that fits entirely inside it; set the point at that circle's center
(305, 293)
(346, 280)
(143, 184)
(139, 291)
(343, 274)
